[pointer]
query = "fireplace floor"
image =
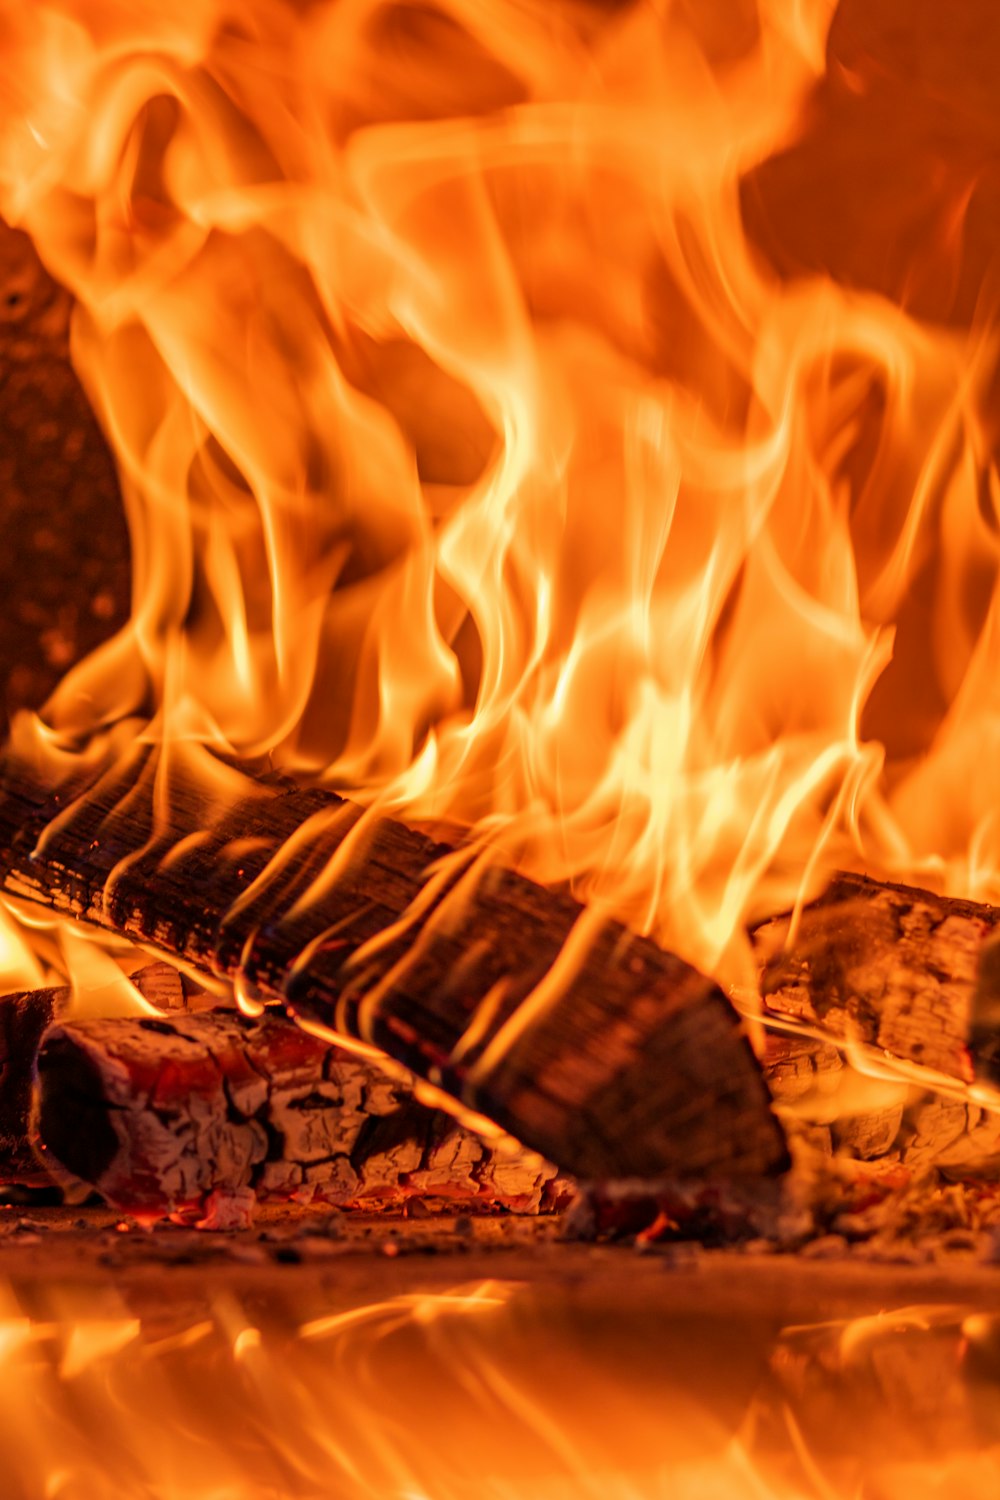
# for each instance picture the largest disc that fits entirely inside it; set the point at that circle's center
(382, 1252)
(439, 1358)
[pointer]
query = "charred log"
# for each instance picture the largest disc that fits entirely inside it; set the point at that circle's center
(889, 968)
(630, 1064)
(881, 973)
(882, 966)
(204, 1114)
(24, 1018)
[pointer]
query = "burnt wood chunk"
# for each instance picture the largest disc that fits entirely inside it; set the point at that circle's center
(204, 1114)
(887, 966)
(906, 976)
(984, 1033)
(608, 1056)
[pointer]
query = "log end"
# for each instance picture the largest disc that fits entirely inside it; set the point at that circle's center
(70, 1123)
(668, 1088)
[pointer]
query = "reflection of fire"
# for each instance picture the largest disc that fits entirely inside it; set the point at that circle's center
(495, 1389)
(473, 456)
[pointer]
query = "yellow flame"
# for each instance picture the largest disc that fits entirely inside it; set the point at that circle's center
(38, 949)
(20, 965)
(99, 986)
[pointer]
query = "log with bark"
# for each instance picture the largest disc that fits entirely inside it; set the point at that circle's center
(203, 1114)
(597, 1049)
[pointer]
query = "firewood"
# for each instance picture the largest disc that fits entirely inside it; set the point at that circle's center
(883, 966)
(202, 1114)
(631, 1064)
(887, 975)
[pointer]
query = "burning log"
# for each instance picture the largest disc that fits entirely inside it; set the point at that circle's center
(885, 966)
(159, 1114)
(882, 973)
(203, 1114)
(610, 1057)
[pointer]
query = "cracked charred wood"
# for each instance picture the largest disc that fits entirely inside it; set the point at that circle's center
(24, 1019)
(625, 1063)
(881, 973)
(886, 967)
(831, 1109)
(203, 1114)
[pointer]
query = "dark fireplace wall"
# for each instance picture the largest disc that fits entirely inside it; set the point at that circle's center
(64, 555)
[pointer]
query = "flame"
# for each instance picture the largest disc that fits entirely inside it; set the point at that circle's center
(99, 986)
(20, 965)
(39, 950)
(478, 461)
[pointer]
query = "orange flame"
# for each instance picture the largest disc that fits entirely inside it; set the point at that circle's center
(42, 950)
(477, 460)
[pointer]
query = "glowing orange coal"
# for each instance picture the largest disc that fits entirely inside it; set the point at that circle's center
(483, 455)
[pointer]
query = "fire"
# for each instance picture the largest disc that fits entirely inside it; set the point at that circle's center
(39, 951)
(478, 461)
(500, 447)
